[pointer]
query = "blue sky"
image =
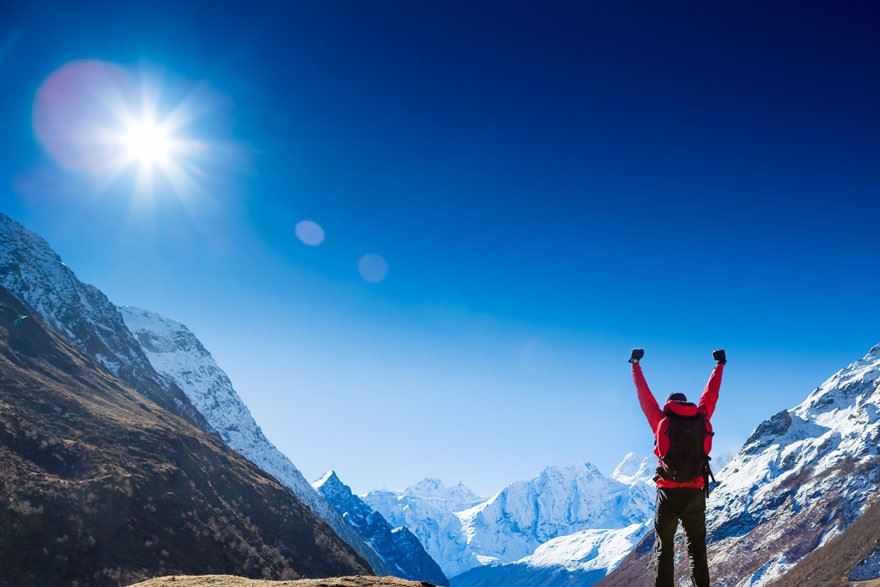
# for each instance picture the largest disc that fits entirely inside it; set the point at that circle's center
(550, 186)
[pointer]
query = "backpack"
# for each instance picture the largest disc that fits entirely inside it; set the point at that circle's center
(685, 460)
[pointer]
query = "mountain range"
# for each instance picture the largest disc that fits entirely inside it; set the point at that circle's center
(567, 523)
(127, 452)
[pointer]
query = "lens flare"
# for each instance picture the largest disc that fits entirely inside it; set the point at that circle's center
(106, 120)
(373, 268)
(309, 232)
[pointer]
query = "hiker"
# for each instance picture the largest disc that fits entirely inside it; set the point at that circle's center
(682, 443)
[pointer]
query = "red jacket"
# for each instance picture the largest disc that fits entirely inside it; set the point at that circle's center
(657, 420)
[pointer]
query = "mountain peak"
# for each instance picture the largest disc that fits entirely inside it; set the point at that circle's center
(400, 549)
(634, 468)
(35, 274)
(330, 477)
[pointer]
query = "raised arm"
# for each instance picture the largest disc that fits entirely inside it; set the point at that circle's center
(646, 399)
(713, 386)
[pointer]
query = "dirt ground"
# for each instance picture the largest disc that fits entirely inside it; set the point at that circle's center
(230, 581)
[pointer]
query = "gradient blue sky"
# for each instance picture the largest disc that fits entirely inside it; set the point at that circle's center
(551, 184)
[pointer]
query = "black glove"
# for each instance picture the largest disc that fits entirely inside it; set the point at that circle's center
(720, 356)
(636, 356)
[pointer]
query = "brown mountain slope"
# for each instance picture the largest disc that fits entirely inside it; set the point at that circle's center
(229, 581)
(99, 486)
(832, 563)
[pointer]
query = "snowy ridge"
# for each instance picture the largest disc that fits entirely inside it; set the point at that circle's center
(398, 547)
(35, 274)
(588, 550)
(514, 524)
(175, 352)
(803, 476)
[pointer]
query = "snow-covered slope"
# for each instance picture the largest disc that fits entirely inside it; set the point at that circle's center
(428, 510)
(580, 559)
(802, 477)
(515, 522)
(588, 550)
(400, 549)
(175, 352)
(559, 501)
(635, 469)
(35, 274)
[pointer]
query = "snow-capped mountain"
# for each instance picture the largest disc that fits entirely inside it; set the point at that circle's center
(400, 549)
(803, 477)
(559, 501)
(175, 352)
(634, 469)
(35, 274)
(512, 525)
(428, 510)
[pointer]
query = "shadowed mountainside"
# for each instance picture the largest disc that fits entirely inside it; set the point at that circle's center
(100, 486)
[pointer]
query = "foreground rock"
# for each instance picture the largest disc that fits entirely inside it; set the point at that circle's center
(230, 581)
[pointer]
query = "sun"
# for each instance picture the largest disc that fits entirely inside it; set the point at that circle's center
(148, 143)
(130, 130)
(153, 147)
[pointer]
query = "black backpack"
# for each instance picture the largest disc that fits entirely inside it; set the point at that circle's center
(686, 459)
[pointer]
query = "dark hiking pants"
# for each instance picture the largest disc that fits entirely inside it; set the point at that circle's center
(689, 506)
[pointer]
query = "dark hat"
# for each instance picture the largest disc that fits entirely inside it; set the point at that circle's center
(676, 397)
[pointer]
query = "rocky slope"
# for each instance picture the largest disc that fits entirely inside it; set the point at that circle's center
(564, 523)
(397, 546)
(178, 355)
(803, 477)
(852, 556)
(193, 386)
(230, 581)
(35, 274)
(100, 486)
